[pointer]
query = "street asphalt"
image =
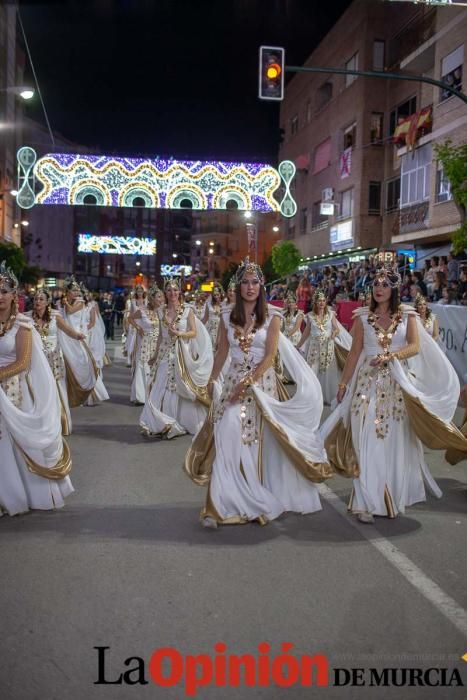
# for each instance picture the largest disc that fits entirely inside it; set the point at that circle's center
(126, 565)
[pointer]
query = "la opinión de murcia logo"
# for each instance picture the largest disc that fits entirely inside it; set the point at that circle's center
(168, 668)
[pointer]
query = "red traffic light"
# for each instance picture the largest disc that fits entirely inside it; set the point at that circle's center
(271, 73)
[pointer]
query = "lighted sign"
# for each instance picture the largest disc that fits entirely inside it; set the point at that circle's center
(340, 236)
(326, 208)
(175, 270)
(410, 257)
(116, 245)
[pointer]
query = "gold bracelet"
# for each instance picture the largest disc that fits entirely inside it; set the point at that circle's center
(342, 386)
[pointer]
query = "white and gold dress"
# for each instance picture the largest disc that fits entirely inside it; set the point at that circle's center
(34, 459)
(145, 346)
(326, 354)
(288, 324)
(212, 323)
(260, 456)
(376, 433)
(177, 397)
(79, 321)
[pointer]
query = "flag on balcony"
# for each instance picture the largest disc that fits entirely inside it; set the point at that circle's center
(408, 130)
(345, 165)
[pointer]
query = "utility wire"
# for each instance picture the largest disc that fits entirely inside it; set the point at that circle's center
(35, 78)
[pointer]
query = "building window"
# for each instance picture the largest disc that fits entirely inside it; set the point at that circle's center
(352, 64)
(443, 186)
(376, 127)
(317, 219)
(401, 112)
(451, 71)
(324, 94)
(374, 198)
(303, 221)
(415, 180)
(346, 204)
(350, 136)
(294, 125)
(322, 156)
(393, 193)
(378, 55)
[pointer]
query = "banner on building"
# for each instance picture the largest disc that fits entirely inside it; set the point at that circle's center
(251, 232)
(345, 165)
(453, 332)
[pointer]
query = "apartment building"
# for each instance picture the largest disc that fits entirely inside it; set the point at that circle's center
(339, 130)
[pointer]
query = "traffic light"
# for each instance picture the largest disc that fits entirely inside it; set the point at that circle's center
(271, 73)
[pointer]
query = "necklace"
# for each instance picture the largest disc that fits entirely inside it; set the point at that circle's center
(384, 336)
(320, 322)
(42, 327)
(165, 319)
(6, 325)
(245, 338)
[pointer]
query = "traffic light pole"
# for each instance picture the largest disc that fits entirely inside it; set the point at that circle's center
(379, 74)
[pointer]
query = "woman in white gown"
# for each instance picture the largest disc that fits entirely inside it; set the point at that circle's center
(292, 319)
(69, 361)
(258, 450)
(427, 317)
(177, 399)
(96, 335)
(82, 320)
(137, 302)
(212, 314)
(199, 305)
(326, 344)
(34, 459)
(397, 390)
(147, 323)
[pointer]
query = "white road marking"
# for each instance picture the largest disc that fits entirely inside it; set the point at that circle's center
(446, 605)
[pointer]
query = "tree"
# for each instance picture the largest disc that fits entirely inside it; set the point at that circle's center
(454, 161)
(285, 257)
(13, 256)
(268, 269)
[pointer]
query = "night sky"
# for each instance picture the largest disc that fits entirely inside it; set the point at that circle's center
(167, 77)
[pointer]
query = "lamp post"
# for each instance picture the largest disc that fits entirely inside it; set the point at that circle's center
(26, 93)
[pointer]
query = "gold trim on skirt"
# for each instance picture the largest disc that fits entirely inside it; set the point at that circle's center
(454, 456)
(431, 430)
(201, 392)
(58, 471)
(341, 452)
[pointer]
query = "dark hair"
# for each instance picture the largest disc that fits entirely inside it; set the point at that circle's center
(436, 259)
(46, 315)
(394, 301)
(237, 315)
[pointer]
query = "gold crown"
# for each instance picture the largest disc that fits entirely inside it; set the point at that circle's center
(291, 297)
(389, 274)
(318, 295)
(172, 282)
(247, 267)
(232, 284)
(71, 284)
(8, 278)
(420, 299)
(153, 290)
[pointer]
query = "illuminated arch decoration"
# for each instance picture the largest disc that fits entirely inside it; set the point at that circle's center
(116, 245)
(161, 183)
(89, 188)
(130, 192)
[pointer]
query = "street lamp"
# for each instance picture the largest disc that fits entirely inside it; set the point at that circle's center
(26, 93)
(198, 242)
(248, 215)
(275, 229)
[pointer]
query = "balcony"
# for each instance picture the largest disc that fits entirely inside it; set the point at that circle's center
(413, 46)
(414, 218)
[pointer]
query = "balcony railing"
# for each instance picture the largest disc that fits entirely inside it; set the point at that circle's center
(414, 217)
(420, 28)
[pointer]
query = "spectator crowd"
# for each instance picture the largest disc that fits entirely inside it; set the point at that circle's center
(442, 280)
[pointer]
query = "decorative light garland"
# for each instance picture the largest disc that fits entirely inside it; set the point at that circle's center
(160, 183)
(116, 245)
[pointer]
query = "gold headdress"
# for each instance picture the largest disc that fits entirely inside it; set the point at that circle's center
(172, 282)
(44, 290)
(291, 297)
(232, 284)
(71, 284)
(420, 299)
(8, 278)
(318, 295)
(247, 267)
(389, 274)
(153, 290)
